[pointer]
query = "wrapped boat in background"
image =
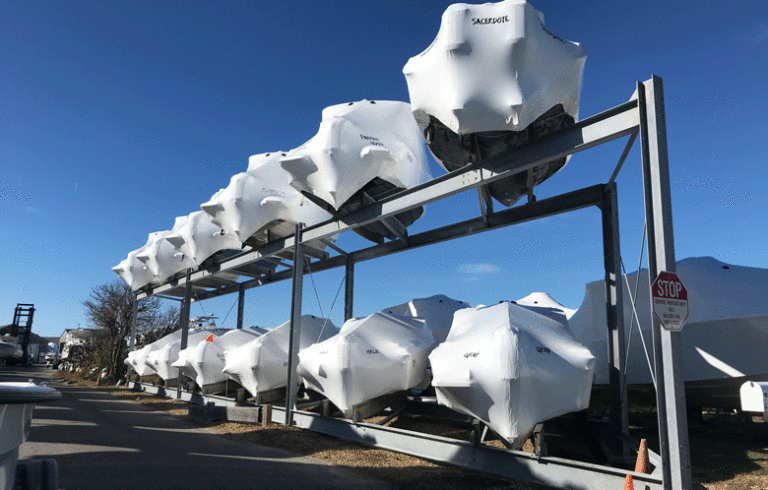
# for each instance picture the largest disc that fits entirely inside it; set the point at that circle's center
(436, 310)
(722, 344)
(260, 365)
(208, 357)
(184, 358)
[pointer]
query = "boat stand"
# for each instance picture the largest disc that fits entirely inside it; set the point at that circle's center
(642, 115)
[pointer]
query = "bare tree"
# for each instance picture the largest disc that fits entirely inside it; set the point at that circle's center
(110, 310)
(166, 322)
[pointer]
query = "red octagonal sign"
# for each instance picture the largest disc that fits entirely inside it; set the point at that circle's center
(670, 301)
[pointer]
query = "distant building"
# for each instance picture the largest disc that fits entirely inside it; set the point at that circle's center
(74, 342)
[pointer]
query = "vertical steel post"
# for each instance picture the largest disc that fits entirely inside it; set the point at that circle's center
(349, 290)
(670, 392)
(132, 340)
(240, 306)
(293, 346)
(614, 307)
(185, 309)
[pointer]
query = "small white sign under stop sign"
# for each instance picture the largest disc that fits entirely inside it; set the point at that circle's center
(670, 301)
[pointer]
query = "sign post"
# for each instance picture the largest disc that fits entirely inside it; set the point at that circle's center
(670, 301)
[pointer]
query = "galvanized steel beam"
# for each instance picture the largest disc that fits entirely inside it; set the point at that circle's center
(670, 393)
(612, 124)
(295, 335)
(615, 320)
(556, 472)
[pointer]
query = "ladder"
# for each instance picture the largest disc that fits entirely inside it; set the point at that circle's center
(22, 326)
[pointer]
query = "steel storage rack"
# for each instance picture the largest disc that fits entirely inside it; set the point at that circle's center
(642, 115)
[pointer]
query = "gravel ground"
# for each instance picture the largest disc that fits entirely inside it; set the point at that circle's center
(727, 453)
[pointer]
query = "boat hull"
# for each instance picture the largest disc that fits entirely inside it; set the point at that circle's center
(370, 357)
(511, 368)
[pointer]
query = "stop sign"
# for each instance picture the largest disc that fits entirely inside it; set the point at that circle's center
(670, 301)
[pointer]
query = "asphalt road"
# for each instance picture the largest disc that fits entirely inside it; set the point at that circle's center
(101, 441)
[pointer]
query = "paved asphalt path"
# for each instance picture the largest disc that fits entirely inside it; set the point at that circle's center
(101, 441)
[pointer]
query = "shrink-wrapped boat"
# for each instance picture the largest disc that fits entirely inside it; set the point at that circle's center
(362, 152)
(137, 359)
(511, 368)
(260, 365)
(370, 357)
(208, 357)
(436, 310)
(261, 201)
(196, 237)
(723, 340)
(185, 358)
(133, 271)
(494, 79)
(160, 257)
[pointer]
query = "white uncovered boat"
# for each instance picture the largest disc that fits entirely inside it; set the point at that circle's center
(208, 357)
(723, 341)
(362, 152)
(17, 401)
(370, 357)
(494, 79)
(436, 310)
(262, 200)
(260, 365)
(10, 350)
(511, 368)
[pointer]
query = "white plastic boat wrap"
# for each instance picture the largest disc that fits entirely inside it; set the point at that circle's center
(262, 199)
(133, 271)
(196, 238)
(723, 339)
(436, 310)
(160, 257)
(494, 78)
(511, 368)
(185, 358)
(546, 305)
(356, 143)
(165, 353)
(162, 352)
(362, 151)
(370, 357)
(208, 357)
(260, 365)
(137, 360)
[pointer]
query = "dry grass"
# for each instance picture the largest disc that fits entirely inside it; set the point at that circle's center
(727, 454)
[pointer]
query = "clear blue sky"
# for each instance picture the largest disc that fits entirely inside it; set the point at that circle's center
(116, 117)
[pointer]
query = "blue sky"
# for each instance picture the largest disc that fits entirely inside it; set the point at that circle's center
(116, 117)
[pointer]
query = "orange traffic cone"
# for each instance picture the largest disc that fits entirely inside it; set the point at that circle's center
(641, 466)
(210, 338)
(628, 483)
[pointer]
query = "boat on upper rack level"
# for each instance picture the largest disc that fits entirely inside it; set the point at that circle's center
(363, 152)
(493, 80)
